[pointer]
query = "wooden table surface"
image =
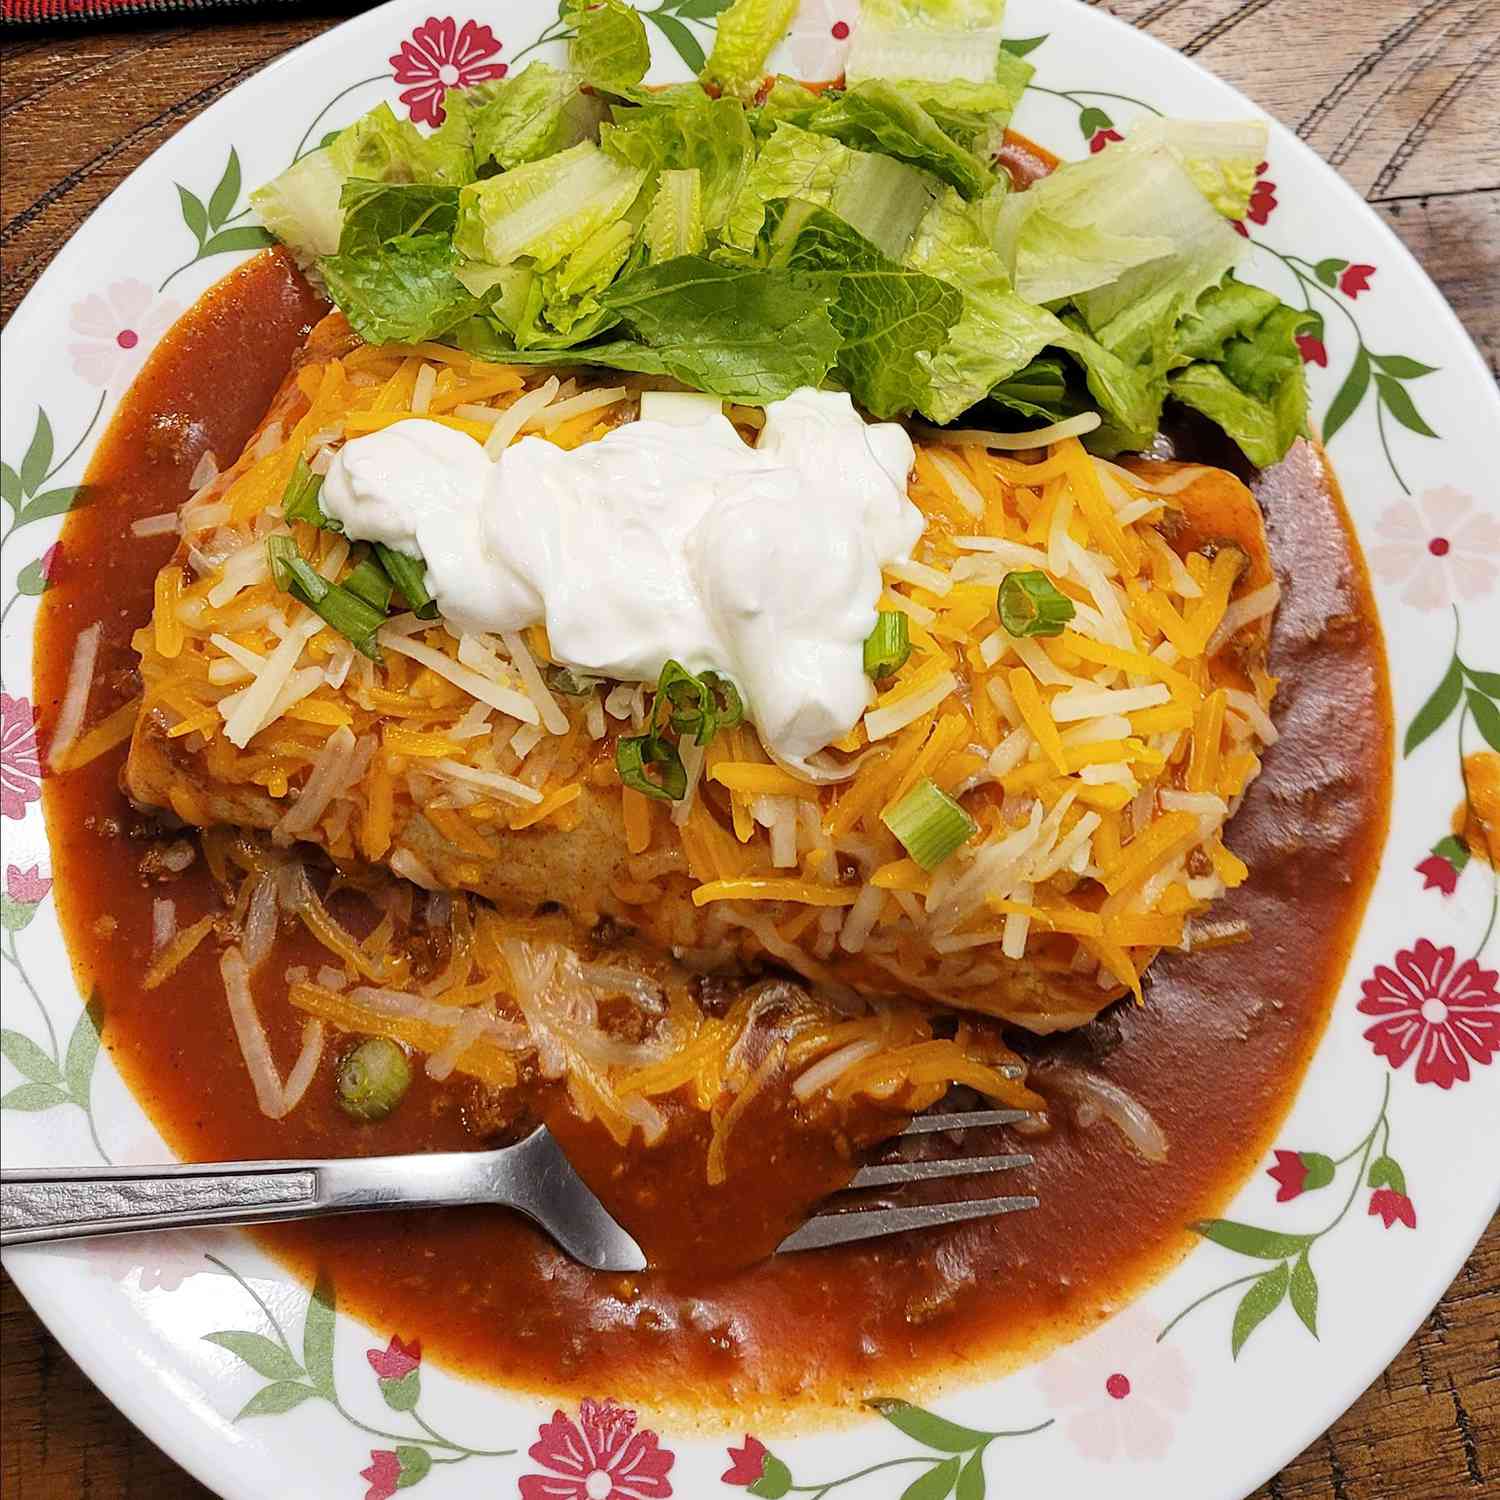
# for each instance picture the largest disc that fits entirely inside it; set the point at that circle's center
(1402, 96)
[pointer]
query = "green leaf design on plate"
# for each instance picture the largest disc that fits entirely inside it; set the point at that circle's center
(1264, 1297)
(194, 215)
(221, 205)
(970, 1484)
(271, 1400)
(927, 1427)
(1303, 1289)
(83, 1051)
(261, 1354)
(1401, 366)
(1346, 401)
(402, 1394)
(698, 10)
(1487, 717)
(1385, 1172)
(31, 1097)
(775, 1479)
(1092, 120)
(32, 581)
(317, 1335)
(48, 503)
(1400, 405)
(1486, 682)
(1019, 46)
(935, 1484)
(10, 486)
(415, 1464)
(683, 40)
(29, 1058)
(1247, 1239)
(16, 915)
(246, 237)
(38, 457)
(1327, 271)
(1433, 714)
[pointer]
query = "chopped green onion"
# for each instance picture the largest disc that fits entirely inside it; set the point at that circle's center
(373, 1079)
(280, 550)
(729, 707)
(929, 824)
(698, 705)
(368, 581)
(409, 574)
(634, 755)
(1030, 604)
(570, 683)
(356, 619)
(299, 500)
(888, 645)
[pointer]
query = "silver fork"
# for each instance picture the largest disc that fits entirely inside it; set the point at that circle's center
(534, 1177)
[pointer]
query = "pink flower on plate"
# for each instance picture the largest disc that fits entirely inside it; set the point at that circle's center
(396, 1360)
(441, 55)
(1391, 1207)
(1355, 279)
(384, 1474)
(601, 1456)
(818, 43)
(1431, 1006)
(118, 327)
(1313, 350)
(28, 886)
(1438, 548)
(20, 770)
(1118, 1392)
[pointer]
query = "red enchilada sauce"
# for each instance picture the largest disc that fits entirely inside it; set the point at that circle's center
(1215, 1053)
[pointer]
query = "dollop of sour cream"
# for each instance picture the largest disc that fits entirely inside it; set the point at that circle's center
(661, 540)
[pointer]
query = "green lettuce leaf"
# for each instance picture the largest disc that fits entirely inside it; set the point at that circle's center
(888, 317)
(1224, 312)
(485, 338)
(743, 333)
(674, 224)
(973, 114)
(609, 48)
(301, 207)
(748, 32)
(395, 277)
(884, 200)
(998, 333)
(712, 135)
(1222, 157)
(533, 114)
(545, 209)
(877, 116)
(1263, 428)
(935, 40)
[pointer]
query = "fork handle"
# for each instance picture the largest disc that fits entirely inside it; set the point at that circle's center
(39, 1204)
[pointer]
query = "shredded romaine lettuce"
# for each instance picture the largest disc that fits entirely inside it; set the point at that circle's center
(534, 113)
(747, 32)
(545, 209)
(609, 50)
(933, 40)
(674, 224)
(712, 136)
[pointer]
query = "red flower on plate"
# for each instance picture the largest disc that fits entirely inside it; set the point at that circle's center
(1389, 1205)
(441, 55)
(1355, 279)
(1438, 874)
(20, 770)
(27, 886)
(746, 1464)
(1298, 1172)
(1101, 138)
(396, 1359)
(384, 1474)
(601, 1456)
(1445, 1012)
(1262, 200)
(1312, 350)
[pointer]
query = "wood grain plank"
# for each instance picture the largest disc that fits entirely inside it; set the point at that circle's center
(1403, 95)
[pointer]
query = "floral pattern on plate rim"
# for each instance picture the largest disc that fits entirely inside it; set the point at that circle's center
(1437, 547)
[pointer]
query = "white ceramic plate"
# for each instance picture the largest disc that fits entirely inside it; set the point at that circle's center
(1405, 1080)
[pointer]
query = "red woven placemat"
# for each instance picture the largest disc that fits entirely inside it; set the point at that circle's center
(90, 10)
